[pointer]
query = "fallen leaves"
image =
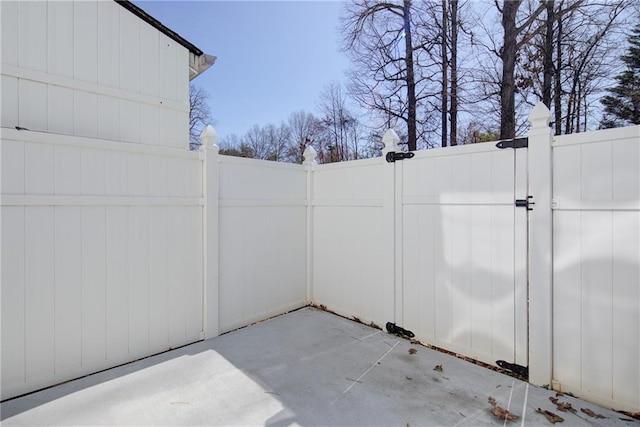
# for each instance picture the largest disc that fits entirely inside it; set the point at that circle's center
(591, 413)
(438, 368)
(503, 414)
(500, 412)
(551, 417)
(562, 406)
(635, 415)
(412, 351)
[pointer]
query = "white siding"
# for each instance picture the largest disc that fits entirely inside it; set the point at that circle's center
(92, 69)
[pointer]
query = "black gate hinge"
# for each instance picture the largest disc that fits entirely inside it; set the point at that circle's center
(392, 156)
(523, 371)
(514, 143)
(525, 203)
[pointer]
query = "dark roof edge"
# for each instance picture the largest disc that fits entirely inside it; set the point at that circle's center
(158, 25)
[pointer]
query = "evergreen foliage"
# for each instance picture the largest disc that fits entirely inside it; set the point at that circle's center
(622, 106)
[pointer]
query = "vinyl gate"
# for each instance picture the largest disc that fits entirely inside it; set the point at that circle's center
(434, 243)
(461, 250)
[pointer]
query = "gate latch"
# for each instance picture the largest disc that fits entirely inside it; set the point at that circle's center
(525, 203)
(392, 156)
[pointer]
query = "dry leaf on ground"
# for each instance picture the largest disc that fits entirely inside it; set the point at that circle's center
(412, 351)
(492, 401)
(562, 406)
(591, 413)
(553, 418)
(635, 415)
(438, 368)
(503, 414)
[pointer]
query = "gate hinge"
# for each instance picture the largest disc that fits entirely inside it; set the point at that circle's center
(514, 143)
(525, 203)
(392, 156)
(523, 371)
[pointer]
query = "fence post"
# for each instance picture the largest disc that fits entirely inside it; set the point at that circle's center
(392, 224)
(309, 155)
(210, 179)
(540, 248)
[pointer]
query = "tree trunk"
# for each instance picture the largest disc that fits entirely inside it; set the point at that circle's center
(411, 84)
(548, 55)
(507, 88)
(445, 83)
(453, 114)
(557, 87)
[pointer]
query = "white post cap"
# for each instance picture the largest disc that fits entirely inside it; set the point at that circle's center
(209, 137)
(309, 155)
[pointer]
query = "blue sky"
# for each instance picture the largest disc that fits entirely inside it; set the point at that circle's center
(274, 57)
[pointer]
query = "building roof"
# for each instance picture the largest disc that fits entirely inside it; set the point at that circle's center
(198, 60)
(158, 25)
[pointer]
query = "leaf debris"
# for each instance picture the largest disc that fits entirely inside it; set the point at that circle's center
(562, 406)
(635, 415)
(438, 368)
(503, 414)
(591, 413)
(551, 417)
(412, 351)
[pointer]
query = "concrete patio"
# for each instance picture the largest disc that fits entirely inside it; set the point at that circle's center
(307, 367)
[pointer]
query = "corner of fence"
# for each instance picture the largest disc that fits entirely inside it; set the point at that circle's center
(310, 159)
(210, 190)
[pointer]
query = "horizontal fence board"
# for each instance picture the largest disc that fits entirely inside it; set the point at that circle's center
(55, 200)
(10, 134)
(568, 204)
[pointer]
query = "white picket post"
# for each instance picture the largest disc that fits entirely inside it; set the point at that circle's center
(540, 247)
(209, 138)
(310, 156)
(392, 225)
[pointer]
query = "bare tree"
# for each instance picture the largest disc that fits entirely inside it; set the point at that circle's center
(337, 124)
(256, 140)
(302, 131)
(277, 140)
(199, 114)
(582, 36)
(453, 109)
(389, 77)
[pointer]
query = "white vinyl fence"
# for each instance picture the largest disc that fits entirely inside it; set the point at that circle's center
(596, 266)
(352, 247)
(112, 251)
(262, 240)
(101, 255)
(464, 250)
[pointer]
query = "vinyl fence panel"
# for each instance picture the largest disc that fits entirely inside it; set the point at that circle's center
(596, 274)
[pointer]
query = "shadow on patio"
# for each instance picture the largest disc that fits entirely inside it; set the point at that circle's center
(305, 368)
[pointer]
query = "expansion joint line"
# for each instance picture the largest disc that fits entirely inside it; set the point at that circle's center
(357, 380)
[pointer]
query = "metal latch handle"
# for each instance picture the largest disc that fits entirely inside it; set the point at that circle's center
(525, 203)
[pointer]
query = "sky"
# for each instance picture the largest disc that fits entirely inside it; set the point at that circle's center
(273, 57)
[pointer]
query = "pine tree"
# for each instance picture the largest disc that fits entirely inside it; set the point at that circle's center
(622, 107)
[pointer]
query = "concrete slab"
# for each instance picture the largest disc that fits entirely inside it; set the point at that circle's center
(305, 368)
